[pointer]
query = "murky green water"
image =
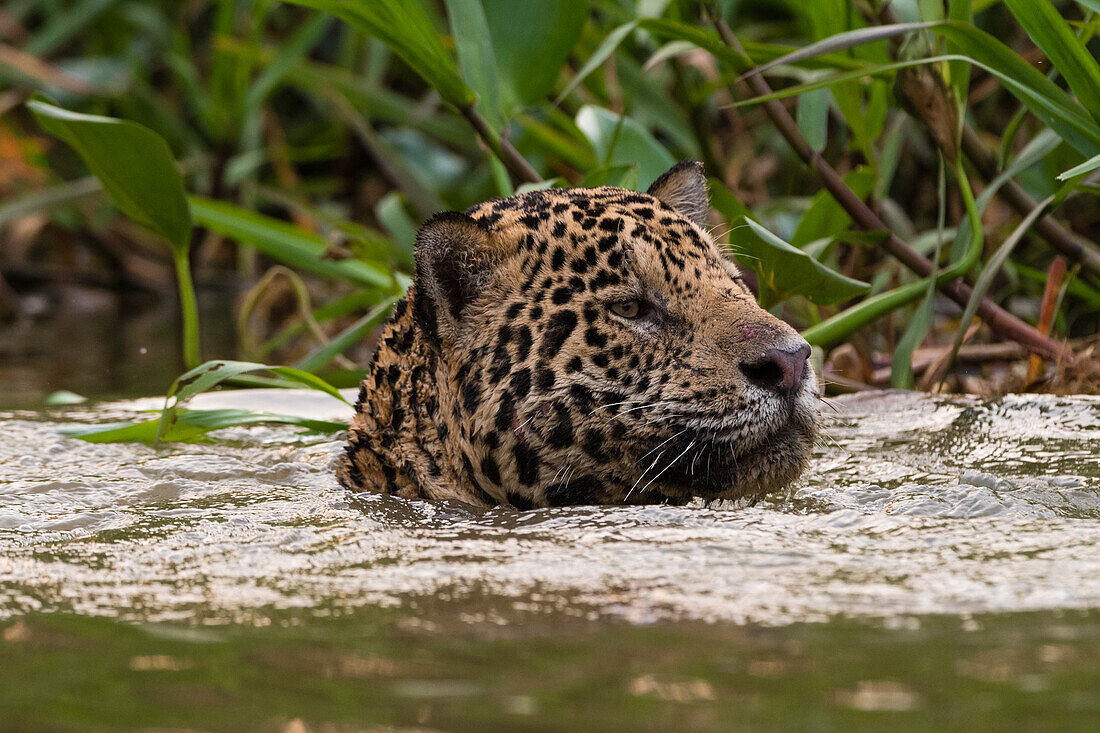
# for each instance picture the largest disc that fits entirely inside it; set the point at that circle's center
(939, 567)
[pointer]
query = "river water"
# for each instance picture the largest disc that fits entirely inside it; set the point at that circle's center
(938, 566)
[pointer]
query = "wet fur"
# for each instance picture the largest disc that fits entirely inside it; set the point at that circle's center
(503, 378)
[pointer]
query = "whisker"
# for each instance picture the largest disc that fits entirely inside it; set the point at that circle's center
(663, 442)
(670, 464)
(644, 473)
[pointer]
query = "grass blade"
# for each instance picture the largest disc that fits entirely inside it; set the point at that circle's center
(990, 270)
(406, 28)
(355, 332)
(284, 242)
(191, 426)
(1057, 109)
(1065, 50)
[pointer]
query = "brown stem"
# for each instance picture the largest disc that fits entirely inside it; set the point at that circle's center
(1061, 239)
(516, 163)
(1055, 275)
(43, 72)
(999, 320)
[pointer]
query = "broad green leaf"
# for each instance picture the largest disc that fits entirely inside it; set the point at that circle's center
(558, 137)
(670, 50)
(835, 329)
(622, 141)
(404, 27)
(210, 374)
(784, 271)
(532, 39)
(133, 163)
(475, 55)
(725, 203)
(1066, 51)
(282, 241)
(623, 176)
(825, 217)
(192, 426)
(542, 185)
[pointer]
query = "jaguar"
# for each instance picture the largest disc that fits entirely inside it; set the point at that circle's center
(582, 346)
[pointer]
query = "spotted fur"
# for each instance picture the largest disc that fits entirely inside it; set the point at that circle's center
(507, 375)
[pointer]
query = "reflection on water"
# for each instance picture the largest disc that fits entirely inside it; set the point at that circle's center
(101, 345)
(919, 513)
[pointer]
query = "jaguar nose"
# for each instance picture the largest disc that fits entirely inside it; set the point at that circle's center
(778, 370)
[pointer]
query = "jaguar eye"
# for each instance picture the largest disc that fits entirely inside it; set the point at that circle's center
(627, 308)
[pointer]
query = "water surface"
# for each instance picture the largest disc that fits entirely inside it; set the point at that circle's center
(939, 565)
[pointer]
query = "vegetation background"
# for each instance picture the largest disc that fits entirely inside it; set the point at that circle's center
(910, 181)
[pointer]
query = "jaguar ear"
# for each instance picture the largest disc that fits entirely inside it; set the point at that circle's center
(452, 262)
(684, 188)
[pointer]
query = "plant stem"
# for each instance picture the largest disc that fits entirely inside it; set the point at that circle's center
(501, 148)
(1001, 321)
(1061, 239)
(189, 308)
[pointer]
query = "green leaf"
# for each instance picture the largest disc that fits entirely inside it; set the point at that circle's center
(1065, 50)
(784, 271)
(601, 54)
(134, 164)
(1038, 93)
(391, 214)
(404, 27)
(210, 374)
(622, 141)
(835, 329)
(901, 365)
(958, 72)
(992, 267)
(192, 426)
(282, 241)
(354, 333)
(827, 218)
(65, 397)
(723, 200)
(475, 54)
(623, 176)
(813, 118)
(1089, 165)
(532, 39)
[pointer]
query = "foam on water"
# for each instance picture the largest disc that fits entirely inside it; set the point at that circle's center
(914, 505)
